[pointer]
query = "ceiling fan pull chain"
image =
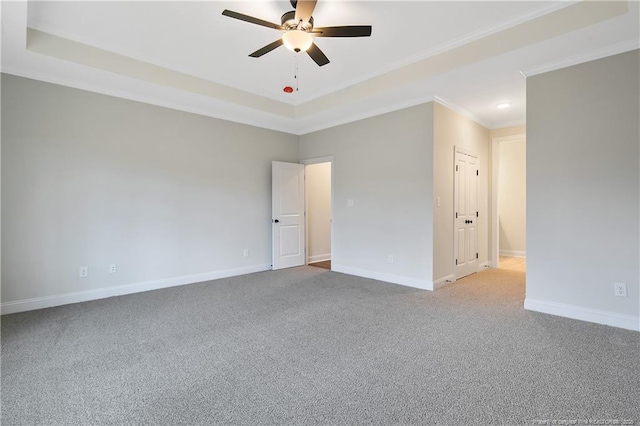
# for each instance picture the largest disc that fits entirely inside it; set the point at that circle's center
(296, 75)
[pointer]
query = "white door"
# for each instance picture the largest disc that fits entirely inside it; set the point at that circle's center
(466, 214)
(287, 204)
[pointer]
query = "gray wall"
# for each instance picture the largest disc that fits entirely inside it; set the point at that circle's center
(385, 165)
(583, 185)
(454, 130)
(92, 180)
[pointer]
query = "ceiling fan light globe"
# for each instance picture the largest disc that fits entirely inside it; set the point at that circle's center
(297, 41)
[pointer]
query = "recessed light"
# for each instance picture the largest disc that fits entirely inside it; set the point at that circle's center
(503, 105)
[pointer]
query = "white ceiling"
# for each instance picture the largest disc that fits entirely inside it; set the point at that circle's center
(469, 55)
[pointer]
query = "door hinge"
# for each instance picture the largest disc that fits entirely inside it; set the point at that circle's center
(456, 215)
(477, 173)
(456, 261)
(456, 167)
(476, 214)
(476, 255)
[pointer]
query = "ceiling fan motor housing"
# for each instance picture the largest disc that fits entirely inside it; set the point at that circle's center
(288, 21)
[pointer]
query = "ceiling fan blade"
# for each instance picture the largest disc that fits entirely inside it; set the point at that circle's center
(251, 19)
(304, 10)
(268, 48)
(347, 31)
(317, 55)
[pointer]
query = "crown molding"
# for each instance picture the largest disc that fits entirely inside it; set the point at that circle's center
(171, 66)
(593, 55)
(465, 113)
(367, 114)
(176, 67)
(250, 120)
(68, 50)
(471, 37)
(247, 118)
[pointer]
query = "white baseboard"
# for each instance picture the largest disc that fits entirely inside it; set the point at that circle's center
(513, 253)
(319, 258)
(441, 282)
(101, 293)
(382, 276)
(613, 319)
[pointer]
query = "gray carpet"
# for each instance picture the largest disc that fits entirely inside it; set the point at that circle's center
(310, 346)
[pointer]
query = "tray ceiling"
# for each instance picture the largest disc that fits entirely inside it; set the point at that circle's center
(470, 55)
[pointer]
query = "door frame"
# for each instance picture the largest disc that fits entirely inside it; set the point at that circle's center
(471, 153)
(494, 257)
(306, 162)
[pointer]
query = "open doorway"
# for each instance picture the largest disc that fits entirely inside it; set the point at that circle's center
(318, 197)
(509, 203)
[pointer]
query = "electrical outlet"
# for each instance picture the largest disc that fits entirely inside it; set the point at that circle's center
(620, 289)
(390, 260)
(245, 253)
(113, 268)
(83, 271)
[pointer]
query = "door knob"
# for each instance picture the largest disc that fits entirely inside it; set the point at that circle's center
(276, 221)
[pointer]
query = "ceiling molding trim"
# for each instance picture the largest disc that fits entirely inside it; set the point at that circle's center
(89, 41)
(85, 55)
(368, 114)
(480, 34)
(563, 21)
(151, 100)
(593, 55)
(463, 112)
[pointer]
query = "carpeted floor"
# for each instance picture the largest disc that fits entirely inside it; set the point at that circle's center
(311, 346)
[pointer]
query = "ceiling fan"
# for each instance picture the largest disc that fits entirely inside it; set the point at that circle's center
(299, 31)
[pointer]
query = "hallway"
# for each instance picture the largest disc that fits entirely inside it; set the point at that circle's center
(513, 263)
